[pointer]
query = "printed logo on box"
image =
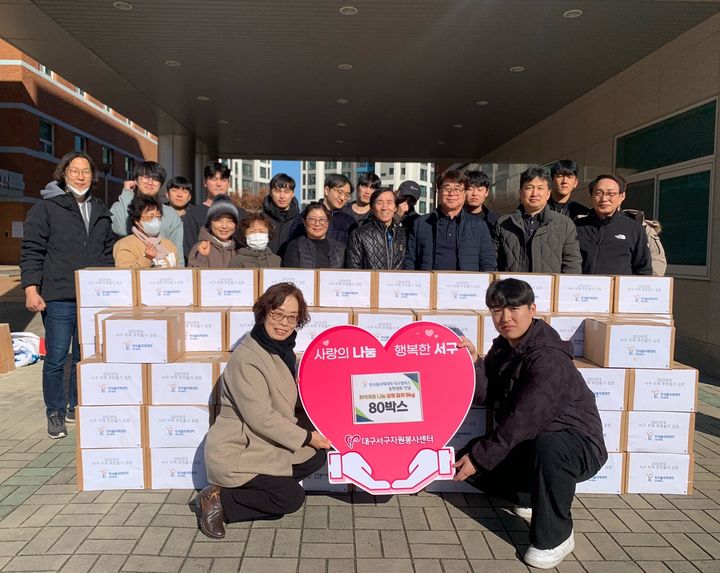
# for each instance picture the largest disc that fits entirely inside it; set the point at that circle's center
(111, 468)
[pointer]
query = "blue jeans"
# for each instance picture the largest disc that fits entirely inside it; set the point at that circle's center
(60, 320)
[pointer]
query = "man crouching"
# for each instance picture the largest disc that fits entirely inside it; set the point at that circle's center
(548, 435)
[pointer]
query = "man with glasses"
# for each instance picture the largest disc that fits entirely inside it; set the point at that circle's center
(148, 179)
(612, 243)
(449, 238)
(337, 191)
(535, 239)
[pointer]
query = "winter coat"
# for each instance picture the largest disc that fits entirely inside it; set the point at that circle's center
(491, 220)
(571, 209)
(56, 243)
(219, 257)
(359, 219)
(256, 431)
(652, 230)
(368, 247)
(341, 224)
(553, 248)
(171, 227)
(533, 388)
(476, 251)
(615, 245)
(285, 223)
(129, 252)
(301, 254)
(247, 258)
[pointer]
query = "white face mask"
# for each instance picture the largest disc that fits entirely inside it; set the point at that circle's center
(257, 241)
(151, 228)
(77, 192)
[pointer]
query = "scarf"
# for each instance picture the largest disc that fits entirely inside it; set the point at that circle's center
(161, 251)
(282, 348)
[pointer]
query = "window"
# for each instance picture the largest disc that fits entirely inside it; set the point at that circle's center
(80, 143)
(107, 158)
(422, 209)
(311, 179)
(391, 171)
(423, 174)
(80, 91)
(423, 191)
(263, 173)
(246, 170)
(247, 185)
(402, 172)
(311, 165)
(45, 70)
(129, 167)
(46, 137)
(346, 165)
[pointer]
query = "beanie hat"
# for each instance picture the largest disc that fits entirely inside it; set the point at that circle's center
(222, 205)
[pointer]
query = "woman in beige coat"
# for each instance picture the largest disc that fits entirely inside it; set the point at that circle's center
(262, 442)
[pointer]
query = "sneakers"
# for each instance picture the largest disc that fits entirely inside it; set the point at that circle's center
(70, 416)
(524, 512)
(56, 425)
(549, 558)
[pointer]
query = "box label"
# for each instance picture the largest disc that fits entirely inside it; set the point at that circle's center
(608, 385)
(107, 469)
(404, 290)
(588, 294)
(461, 291)
(166, 287)
(304, 279)
(227, 287)
(109, 426)
(136, 341)
(182, 383)
(345, 289)
(177, 468)
(105, 287)
(103, 383)
(204, 331)
(177, 426)
(665, 390)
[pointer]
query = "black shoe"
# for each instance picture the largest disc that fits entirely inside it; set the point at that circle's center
(56, 426)
(70, 416)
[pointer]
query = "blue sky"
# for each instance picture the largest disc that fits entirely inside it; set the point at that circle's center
(291, 168)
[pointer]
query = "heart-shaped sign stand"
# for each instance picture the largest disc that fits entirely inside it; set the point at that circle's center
(388, 410)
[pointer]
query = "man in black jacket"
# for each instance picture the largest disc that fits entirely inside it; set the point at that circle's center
(449, 238)
(281, 207)
(337, 191)
(565, 180)
(68, 230)
(612, 243)
(548, 435)
(379, 244)
(478, 189)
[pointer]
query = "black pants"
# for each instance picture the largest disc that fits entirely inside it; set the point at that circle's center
(269, 497)
(548, 467)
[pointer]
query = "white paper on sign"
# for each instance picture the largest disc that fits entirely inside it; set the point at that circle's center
(386, 398)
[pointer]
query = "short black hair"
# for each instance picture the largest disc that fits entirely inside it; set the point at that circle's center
(477, 179)
(179, 182)
(369, 179)
(376, 195)
(452, 175)
(537, 171)
(617, 178)
(215, 167)
(564, 167)
(141, 203)
(282, 181)
(337, 180)
(150, 169)
(315, 205)
(509, 292)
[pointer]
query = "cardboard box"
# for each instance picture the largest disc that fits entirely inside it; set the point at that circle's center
(570, 327)
(614, 424)
(583, 294)
(609, 479)
(629, 345)
(166, 287)
(661, 432)
(109, 427)
(182, 426)
(204, 328)
(105, 286)
(643, 294)
(227, 287)
(152, 339)
(659, 473)
(101, 315)
(345, 288)
(488, 333)
(382, 324)
(7, 354)
(106, 469)
(543, 286)
(176, 468)
(106, 384)
(240, 321)
(86, 324)
(319, 482)
(87, 351)
(321, 319)
(462, 323)
(304, 279)
(181, 382)
(455, 290)
(665, 319)
(674, 390)
(610, 385)
(404, 289)
(474, 426)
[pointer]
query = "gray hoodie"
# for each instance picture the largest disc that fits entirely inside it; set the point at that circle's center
(51, 190)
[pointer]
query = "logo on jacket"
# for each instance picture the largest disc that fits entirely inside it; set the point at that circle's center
(620, 236)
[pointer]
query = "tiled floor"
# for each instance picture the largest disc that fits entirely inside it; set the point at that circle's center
(46, 525)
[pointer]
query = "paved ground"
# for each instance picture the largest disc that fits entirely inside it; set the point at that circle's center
(46, 525)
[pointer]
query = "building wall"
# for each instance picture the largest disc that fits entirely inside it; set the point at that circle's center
(679, 75)
(393, 174)
(249, 175)
(30, 94)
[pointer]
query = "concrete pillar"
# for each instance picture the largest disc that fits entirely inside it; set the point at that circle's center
(176, 153)
(202, 156)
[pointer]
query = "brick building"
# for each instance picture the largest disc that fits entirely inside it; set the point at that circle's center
(42, 117)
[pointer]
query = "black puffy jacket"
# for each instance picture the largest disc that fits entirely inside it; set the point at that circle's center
(286, 224)
(301, 254)
(55, 244)
(368, 247)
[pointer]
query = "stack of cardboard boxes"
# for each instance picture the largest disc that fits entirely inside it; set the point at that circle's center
(156, 341)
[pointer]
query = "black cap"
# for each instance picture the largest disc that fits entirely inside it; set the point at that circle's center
(409, 189)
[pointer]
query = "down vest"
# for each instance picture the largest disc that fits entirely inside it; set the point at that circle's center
(368, 247)
(300, 254)
(554, 248)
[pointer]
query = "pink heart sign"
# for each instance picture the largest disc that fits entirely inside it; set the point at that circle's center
(388, 410)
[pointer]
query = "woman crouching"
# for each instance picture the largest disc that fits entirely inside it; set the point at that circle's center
(262, 442)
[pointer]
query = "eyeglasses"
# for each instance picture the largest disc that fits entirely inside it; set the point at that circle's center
(341, 192)
(609, 195)
(317, 220)
(77, 172)
(279, 316)
(447, 190)
(148, 179)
